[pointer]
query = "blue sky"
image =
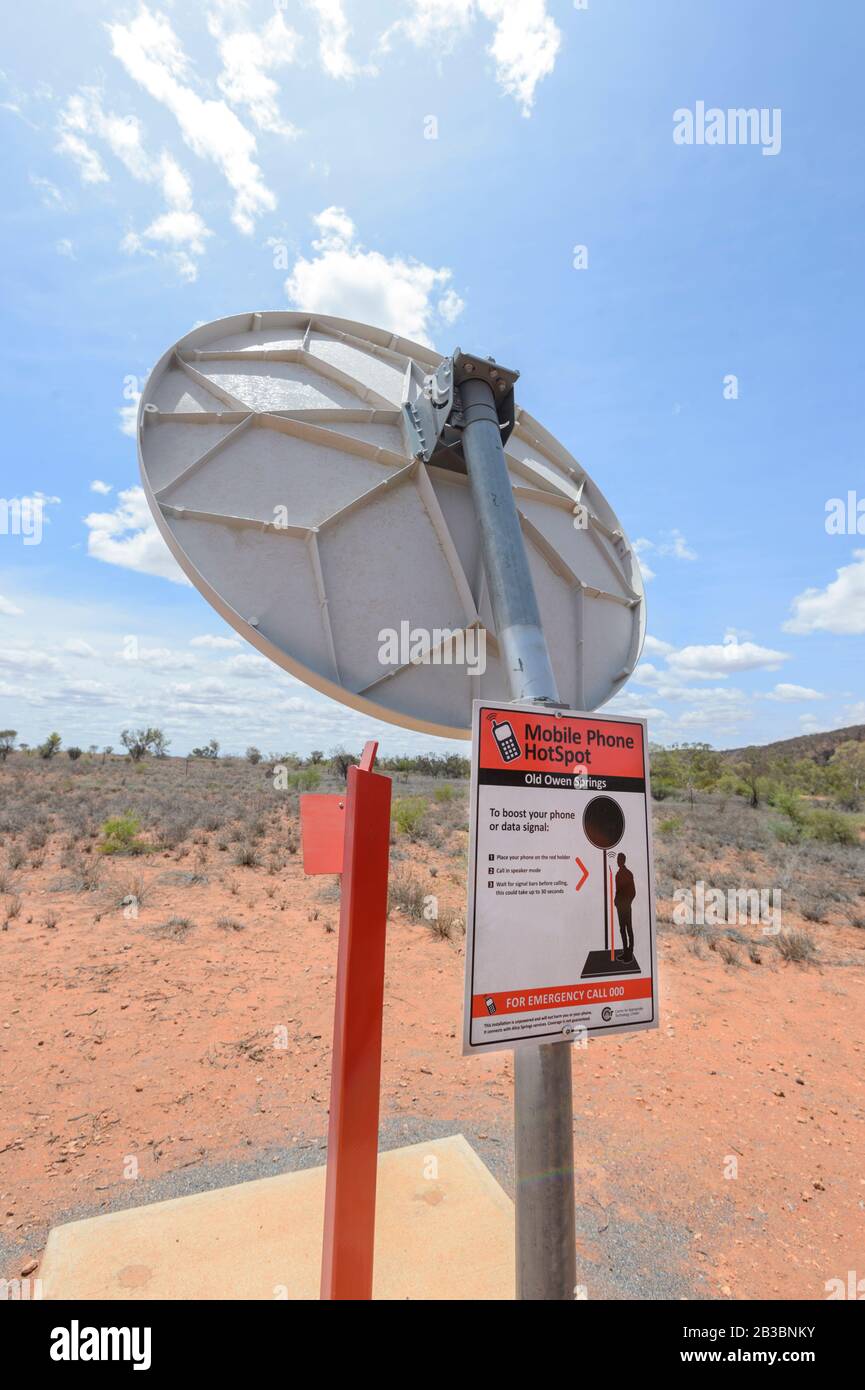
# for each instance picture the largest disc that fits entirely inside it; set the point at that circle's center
(168, 164)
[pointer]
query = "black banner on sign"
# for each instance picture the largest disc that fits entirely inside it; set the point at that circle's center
(233, 1339)
(558, 781)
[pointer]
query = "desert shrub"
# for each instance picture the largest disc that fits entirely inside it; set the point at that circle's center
(131, 890)
(814, 908)
(445, 793)
(790, 804)
(446, 924)
(671, 825)
(175, 929)
(832, 827)
(139, 742)
(661, 790)
(407, 895)
(74, 753)
(37, 837)
(86, 873)
(253, 755)
(728, 952)
(210, 750)
(796, 946)
(409, 815)
(229, 924)
(120, 835)
(307, 779)
(51, 745)
(787, 832)
(245, 857)
(175, 831)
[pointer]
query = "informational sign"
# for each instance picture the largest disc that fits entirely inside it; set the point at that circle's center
(561, 922)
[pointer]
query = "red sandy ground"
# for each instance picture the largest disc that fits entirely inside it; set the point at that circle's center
(117, 1043)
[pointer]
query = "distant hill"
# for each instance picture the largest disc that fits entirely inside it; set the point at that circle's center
(818, 747)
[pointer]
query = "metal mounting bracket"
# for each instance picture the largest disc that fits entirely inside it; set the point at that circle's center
(432, 406)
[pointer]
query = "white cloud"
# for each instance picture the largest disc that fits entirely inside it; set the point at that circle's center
(247, 58)
(76, 647)
(151, 53)
(640, 546)
(216, 644)
(128, 537)
(158, 658)
(629, 702)
(180, 229)
(88, 694)
(673, 545)
(809, 724)
(524, 46)
(64, 247)
(27, 659)
(251, 667)
(102, 488)
(9, 609)
(676, 546)
(441, 22)
(450, 306)
(789, 693)
(48, 192)
(723, 658)
(344, 278)
(184, 232)
(334, 32)
(839, 608)
(90, 166)
(129, 416)
(653, 646)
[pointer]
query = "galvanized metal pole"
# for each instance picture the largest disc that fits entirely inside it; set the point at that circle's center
(543, 1105)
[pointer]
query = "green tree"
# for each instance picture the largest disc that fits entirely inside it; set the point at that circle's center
(51, 746)
(7, 742)
(753, 768)
(139, 742)
(341, 760)
(846, 773)
(210, 750)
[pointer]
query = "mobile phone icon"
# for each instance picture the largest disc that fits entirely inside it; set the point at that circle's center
(491, 1004)
(506, 740)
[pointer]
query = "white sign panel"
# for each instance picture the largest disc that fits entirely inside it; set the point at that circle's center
(561, 922)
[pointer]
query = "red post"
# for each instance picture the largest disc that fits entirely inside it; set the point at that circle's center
(352, 1141)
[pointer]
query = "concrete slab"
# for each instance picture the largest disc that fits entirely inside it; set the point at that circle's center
(444, 1230)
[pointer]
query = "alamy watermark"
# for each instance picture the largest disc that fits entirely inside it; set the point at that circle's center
(24, 517)
(703, 906)
(736, 126)
(438, 646)
(845, 516)
(852, 1287)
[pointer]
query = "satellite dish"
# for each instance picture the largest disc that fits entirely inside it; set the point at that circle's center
(287, 460)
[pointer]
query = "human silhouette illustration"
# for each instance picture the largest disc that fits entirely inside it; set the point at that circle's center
(626, 891)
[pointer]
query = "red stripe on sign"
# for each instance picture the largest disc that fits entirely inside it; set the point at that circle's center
(561, 997)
